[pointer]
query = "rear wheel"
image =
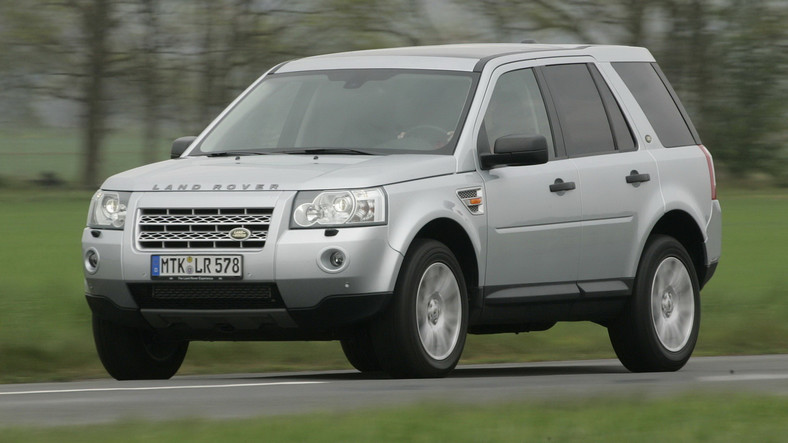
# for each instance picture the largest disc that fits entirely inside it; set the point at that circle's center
(136, 354)
(659, 328)
(423, 332)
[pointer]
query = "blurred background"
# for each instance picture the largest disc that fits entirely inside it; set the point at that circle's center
(92, 87)
(89, 88)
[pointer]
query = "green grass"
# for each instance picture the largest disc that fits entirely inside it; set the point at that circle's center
(45, 323)
(745, 304)
(697, 418)
(27, 153)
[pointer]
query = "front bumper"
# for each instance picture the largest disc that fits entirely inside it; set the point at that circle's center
(307, 297)
(329, 320)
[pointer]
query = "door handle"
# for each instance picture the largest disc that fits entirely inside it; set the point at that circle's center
(560, 186)
(635, 177)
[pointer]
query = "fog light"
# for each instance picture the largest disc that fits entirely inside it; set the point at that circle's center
(91, 261)
(337, 259)
(333, 260)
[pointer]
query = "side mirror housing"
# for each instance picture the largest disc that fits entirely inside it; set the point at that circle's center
(180, 145)
(516, 150)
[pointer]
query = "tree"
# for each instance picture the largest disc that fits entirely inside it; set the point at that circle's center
(78, 68)
(97, 22)
(746, 108)
(726, 58)
(24, 32)
(344, 25)
(236, 41)
(150, 70)
(168, 63)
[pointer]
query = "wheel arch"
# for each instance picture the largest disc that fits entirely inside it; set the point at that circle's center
(683, 227)
(431, 209)
(451, 234)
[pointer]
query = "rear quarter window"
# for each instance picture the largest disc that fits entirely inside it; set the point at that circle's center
(662, 108)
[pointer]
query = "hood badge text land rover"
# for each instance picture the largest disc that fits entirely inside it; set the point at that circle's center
(230, 187)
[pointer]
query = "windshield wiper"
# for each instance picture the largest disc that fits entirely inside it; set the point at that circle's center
(231, 153)
(345, 151)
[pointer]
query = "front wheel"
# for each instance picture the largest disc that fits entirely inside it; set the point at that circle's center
(136, 354)
(658, 330)
(360, 351)
(423, 332)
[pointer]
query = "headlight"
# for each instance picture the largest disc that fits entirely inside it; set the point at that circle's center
(108, 209)
(360, 207)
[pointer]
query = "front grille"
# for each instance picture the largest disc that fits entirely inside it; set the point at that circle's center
(202, 228)
(206, 295)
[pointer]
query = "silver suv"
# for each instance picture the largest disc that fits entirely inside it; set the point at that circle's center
(398, 199)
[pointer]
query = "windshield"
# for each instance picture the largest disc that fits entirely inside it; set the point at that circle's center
(370, 111)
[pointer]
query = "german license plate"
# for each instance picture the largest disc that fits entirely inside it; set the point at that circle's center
(196, 267)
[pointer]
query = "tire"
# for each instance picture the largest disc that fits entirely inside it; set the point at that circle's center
(360, 352)
(422, 333)
(659, 327)
(136, 354)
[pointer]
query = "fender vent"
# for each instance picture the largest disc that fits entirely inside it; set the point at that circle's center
(473, 199)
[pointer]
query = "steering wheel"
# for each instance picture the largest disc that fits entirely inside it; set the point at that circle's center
(435, 136)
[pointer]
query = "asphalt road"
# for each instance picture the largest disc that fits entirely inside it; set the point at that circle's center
(246, 395)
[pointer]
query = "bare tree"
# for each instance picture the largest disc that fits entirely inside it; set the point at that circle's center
(97, 23)
(79, 67)
(362, 24)
(508, 20)
(168, 62)
(745, 105)
(727, 59)
(24, 32)
(150, 75)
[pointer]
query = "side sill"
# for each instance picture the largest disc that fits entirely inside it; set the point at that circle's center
(556, 292)
(536, 307)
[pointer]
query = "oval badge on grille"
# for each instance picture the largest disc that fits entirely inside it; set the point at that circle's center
(240, 234)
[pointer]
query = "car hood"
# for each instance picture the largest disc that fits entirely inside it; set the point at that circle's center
(280, 172)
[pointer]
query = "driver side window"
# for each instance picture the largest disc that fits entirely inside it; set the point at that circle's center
(516, 108)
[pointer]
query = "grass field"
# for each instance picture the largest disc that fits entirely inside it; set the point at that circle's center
(697, 418)
(26, 154)
(45, 323)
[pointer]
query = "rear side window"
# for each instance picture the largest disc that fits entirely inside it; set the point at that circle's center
(662, 111)
(583, 118)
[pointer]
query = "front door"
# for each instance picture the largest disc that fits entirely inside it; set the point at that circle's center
(533, 211)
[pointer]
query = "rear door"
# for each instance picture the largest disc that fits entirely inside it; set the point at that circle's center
(618, 182)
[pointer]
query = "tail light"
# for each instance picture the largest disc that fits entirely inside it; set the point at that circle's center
(712, 176)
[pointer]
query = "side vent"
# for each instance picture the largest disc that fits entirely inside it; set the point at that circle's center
(473, 199)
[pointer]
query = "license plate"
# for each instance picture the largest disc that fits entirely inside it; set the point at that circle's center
(196, 267)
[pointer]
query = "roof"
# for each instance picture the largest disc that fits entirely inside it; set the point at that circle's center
(459, 57)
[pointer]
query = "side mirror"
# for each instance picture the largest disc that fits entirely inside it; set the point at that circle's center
(519, 150)
(180, 145)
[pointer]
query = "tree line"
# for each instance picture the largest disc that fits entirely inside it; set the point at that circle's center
(167, 64)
